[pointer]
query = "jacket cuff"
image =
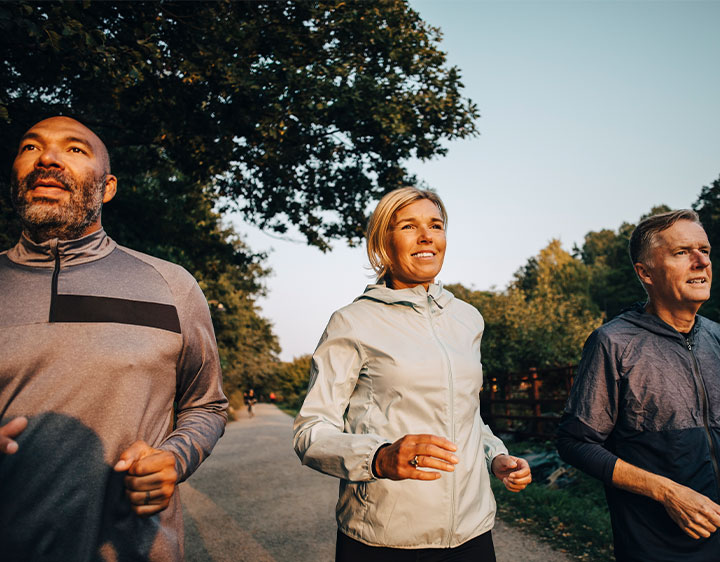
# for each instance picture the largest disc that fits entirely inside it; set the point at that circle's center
(180, 462)
(491, 457)
(372, 463)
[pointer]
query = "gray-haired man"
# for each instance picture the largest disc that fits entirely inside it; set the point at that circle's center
(644, 412)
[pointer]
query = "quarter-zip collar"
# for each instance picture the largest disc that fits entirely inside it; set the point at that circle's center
(416, 297)
(70, 252)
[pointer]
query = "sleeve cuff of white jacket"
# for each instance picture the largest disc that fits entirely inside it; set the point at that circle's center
(372, 458)
(346, 456)
(496, 453)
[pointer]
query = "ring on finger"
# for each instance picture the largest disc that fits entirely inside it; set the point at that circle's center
(147, 498)
(415, 461)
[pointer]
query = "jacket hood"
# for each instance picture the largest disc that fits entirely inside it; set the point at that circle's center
(416, 297)
(637, 316)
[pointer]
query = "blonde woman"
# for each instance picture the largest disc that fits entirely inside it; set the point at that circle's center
(393, 404)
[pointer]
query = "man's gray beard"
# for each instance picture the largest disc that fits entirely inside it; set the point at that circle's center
(44, 219)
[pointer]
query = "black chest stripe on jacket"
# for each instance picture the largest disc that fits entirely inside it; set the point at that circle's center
(83, 308)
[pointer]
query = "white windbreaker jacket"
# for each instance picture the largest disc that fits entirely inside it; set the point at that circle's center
(392, 363)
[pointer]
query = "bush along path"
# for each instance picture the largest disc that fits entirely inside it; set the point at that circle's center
(252, 500)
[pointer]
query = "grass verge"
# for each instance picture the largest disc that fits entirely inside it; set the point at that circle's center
(573, 519)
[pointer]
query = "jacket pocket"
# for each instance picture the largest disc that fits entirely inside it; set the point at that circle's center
(351, 504)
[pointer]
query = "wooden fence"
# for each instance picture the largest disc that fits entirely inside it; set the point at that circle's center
(526, 404)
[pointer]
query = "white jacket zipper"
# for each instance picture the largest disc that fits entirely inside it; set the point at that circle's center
(452, 416)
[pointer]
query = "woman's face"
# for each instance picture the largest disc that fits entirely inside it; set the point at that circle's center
(416, 245)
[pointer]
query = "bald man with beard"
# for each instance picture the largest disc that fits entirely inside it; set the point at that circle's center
(99, 342)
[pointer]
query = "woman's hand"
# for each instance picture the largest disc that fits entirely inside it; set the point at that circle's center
(513, 471)
(407, 455)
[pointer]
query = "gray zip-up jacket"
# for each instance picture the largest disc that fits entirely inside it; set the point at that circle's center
(392, 363)
(97, 342)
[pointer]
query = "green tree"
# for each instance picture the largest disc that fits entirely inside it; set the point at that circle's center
(613, 283)
(560, 310)
(247, 344)
(708, 207)
(504, 313)
(542, 323)
(301, 113)
(290, 381)
(296, 113)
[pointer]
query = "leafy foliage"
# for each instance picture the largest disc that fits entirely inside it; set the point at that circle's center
(300, 112)
(504, 313)
(708, 207)
(296, 113)
(613, 283)
(538, 323)
(290, 380)
(561, 308)
(246, 342)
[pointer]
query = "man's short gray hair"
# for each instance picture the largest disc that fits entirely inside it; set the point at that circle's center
(643, 237)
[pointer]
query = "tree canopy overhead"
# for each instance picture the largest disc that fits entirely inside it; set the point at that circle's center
(297, 113)
(301, 113)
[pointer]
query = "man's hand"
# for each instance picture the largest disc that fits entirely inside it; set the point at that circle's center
(397, 461)
(151, 477)
(694, 513)
(514, 472)
(7, 432)
(697, 515)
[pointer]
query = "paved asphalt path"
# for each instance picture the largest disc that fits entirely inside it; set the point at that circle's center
(253, 501)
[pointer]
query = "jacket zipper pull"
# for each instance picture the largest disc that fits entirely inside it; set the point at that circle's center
(432, 299)
(54, 283)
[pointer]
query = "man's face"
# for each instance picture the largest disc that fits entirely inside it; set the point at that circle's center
(59, 180)
(678, 272)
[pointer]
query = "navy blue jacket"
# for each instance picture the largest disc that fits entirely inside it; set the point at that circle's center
(651, 396)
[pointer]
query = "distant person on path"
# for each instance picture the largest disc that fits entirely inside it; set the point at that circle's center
(97, 342)
(250, 401)
(644, 412)
(393, 404)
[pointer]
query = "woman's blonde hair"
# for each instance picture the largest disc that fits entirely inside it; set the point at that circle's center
(379, 224)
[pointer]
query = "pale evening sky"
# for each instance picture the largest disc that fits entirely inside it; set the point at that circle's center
(592, 113)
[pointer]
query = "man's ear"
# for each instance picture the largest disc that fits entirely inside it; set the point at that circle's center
(110, 188)
(643, 273)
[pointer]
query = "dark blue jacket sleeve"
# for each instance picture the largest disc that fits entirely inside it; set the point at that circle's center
(581, 446)
(591, 411)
